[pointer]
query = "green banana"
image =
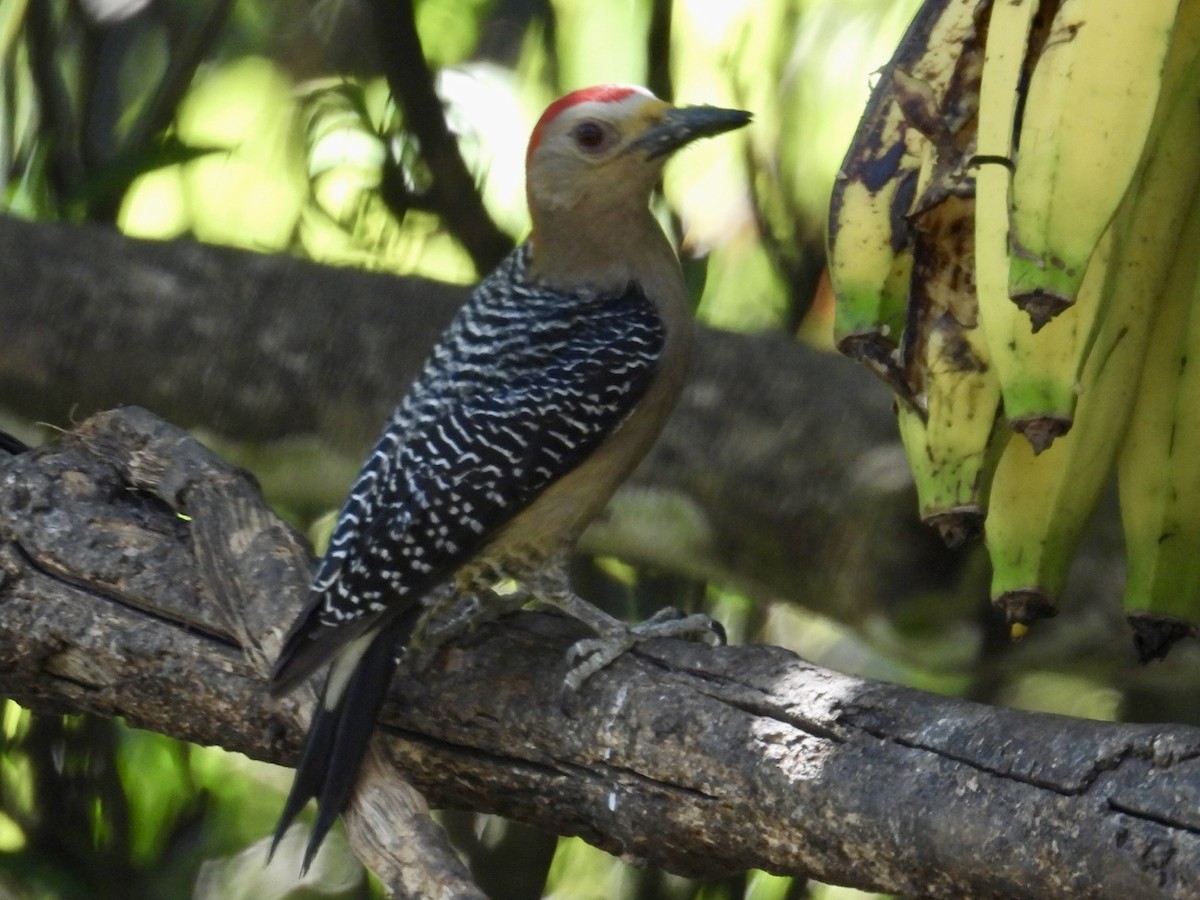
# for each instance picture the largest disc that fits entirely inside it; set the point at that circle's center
(954, 447)
(1039, 372)
(869, 242)
(1087, 115)
(901, 263)
(1157, 467)
(1026, 365)
(950, 446)
(953, 450)
(1086, 147)
(1040, 504)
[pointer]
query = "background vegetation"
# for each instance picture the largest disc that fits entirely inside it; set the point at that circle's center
(291, 127)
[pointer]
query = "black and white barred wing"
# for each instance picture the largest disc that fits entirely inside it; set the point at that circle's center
(460, 365)
(473, 466)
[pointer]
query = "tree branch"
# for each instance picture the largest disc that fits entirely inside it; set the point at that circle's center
(702, 761)
(128, 613)
(761, 479)
(58, 119)
(454, 193)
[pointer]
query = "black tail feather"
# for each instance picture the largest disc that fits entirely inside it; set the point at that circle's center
(12, 445)
(337, 741)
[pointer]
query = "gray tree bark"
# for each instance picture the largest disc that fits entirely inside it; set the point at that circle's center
(780, 471)
(702, 761)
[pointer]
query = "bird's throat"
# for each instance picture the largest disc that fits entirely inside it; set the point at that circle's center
(603, 254)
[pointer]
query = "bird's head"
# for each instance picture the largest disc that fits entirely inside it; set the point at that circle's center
(605, 145)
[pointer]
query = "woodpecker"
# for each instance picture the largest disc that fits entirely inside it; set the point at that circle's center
(541, 396)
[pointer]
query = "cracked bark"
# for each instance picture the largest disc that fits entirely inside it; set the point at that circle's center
(702, 761)
(760, 481)
(779, 474)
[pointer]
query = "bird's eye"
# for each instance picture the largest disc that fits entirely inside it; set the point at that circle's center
(591, 136)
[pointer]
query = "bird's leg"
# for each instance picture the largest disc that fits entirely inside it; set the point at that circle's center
(453, 614)
(613, 638)
(588, 656)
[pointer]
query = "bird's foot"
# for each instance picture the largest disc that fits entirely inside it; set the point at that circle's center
(455, 617)
(588, 656)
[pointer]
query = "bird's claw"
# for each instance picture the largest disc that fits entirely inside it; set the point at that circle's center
(454, 618)
(588, 656)
(670, 622)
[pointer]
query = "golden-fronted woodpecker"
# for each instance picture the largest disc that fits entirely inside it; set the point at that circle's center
(542, 395)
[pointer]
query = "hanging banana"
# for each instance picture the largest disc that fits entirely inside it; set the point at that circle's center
(951, 438)
(954, 447)
(939, 370)
(1157, 467)
(1086, 152)
(1087, 116)
(1041, 502)
(1060, 200)
(869, 246)
(1157, 471)
(1040, 505)
(1013, 349)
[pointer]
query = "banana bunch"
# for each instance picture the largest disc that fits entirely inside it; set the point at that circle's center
(1157, 468)
(1013, 243)
(897, 144)
(901, 258)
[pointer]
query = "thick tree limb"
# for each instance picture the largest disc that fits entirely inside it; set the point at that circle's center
(454, 192)
(162, 610)
(256, 347)
(779, 471)
(698, 760)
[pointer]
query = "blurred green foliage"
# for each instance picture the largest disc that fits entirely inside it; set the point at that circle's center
(269, 126)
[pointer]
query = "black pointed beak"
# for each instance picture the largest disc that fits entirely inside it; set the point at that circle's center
(683, 124)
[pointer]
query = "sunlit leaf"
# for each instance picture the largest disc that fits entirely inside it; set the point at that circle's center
(485, 112)
(12, 838)
(449, 29)
(798, 66)
(599, 42)
(582, 872)
(157, 782)
(250, 196)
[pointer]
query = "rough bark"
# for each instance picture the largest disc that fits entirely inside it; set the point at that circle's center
(780, 470)
(702, 761)
(112, 604)
(779, 473)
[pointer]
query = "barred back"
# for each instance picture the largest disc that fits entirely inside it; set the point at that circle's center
(522, 387)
